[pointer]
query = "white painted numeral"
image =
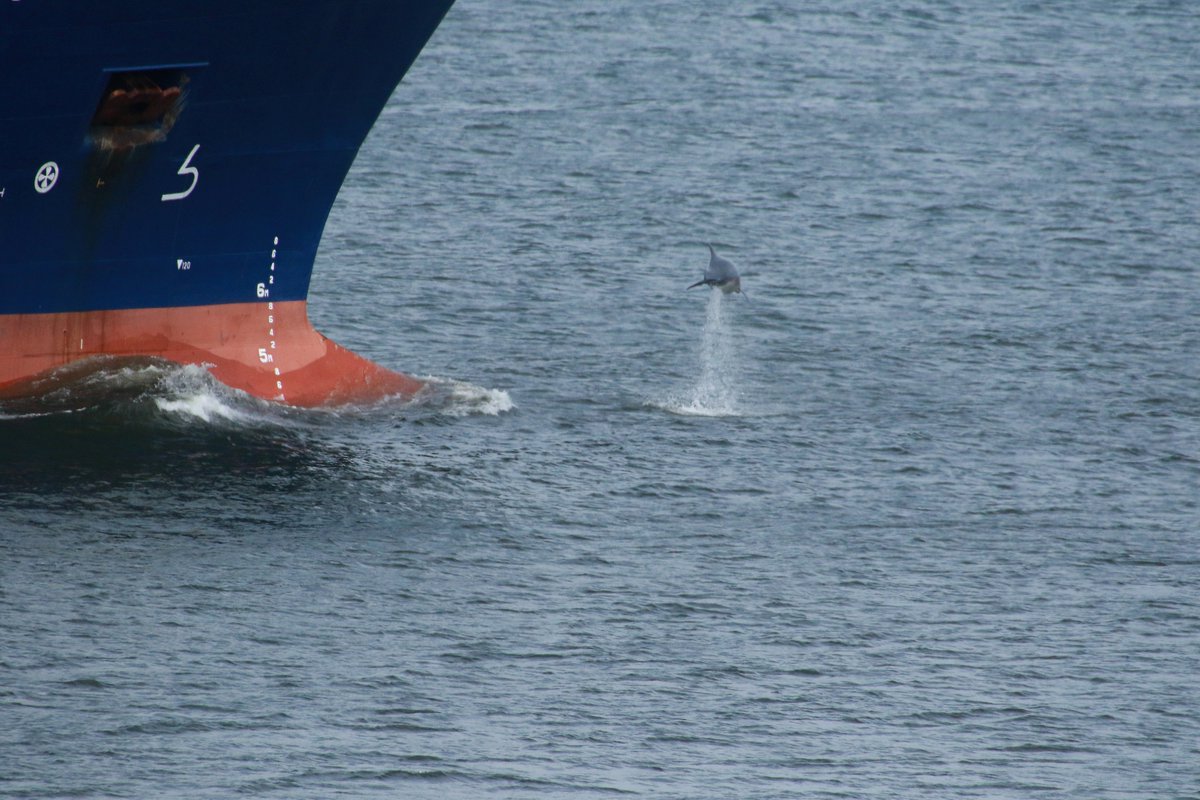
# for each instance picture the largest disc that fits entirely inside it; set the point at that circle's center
(185, 169)
(262, 290)
(264, 356)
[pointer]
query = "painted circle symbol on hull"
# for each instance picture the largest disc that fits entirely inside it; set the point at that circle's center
(46, 177)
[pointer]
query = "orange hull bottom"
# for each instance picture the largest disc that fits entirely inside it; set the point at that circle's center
(269, 350)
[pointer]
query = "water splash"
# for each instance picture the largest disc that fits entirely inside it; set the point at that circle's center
(459, 399)
(189, 391)
(715, 393)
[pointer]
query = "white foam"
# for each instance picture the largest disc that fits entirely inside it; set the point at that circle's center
(459, 399)
(193, 393)
(690, 407)
(202, 406)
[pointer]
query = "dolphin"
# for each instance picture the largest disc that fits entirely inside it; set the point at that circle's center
(720, 273)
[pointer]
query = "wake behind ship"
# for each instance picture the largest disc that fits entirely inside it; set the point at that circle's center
(166, 171)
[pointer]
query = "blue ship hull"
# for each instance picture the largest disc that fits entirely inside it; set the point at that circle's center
(159, 154)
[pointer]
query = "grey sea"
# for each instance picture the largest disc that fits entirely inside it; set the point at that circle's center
(916, 517)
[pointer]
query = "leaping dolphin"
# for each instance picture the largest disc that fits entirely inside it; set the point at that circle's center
(720, 273)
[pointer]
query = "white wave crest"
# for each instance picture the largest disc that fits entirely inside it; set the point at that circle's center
(189, 391)
(459, 399)
(204, 407)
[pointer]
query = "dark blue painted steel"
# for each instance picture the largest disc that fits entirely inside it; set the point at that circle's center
(279, 97)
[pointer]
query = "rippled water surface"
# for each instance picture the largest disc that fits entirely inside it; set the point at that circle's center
(917, 518)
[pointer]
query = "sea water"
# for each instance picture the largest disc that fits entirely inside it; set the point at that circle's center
(918, 518)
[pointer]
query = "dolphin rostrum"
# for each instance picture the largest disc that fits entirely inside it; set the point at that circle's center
(721, 274)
